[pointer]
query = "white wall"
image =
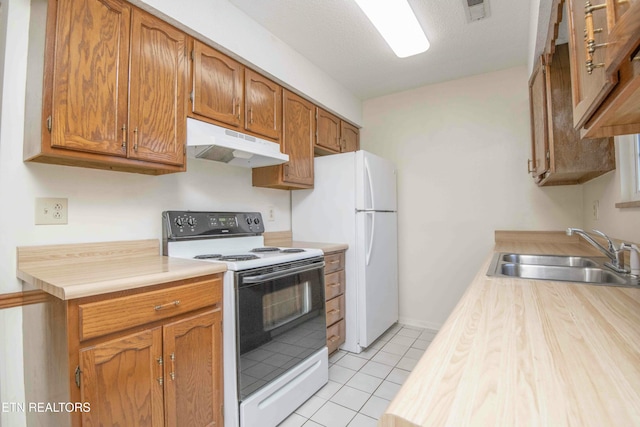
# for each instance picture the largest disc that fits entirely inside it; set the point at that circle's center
(107, 206)
(461, 149)
(619, 223)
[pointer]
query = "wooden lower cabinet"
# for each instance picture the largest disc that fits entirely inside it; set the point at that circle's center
(334, 281)
(166, 372)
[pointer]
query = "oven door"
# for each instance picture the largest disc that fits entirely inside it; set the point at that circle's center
(280, 320)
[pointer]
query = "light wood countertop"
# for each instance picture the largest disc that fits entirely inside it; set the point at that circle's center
(529, 353)
(325, 247)
(81, 270)
(284, 239)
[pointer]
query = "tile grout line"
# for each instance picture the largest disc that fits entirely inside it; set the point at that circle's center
(382, 342)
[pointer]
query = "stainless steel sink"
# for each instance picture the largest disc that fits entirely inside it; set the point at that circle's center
(568, 261)
(559, 268)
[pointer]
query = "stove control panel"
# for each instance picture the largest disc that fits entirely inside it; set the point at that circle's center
(190, 224)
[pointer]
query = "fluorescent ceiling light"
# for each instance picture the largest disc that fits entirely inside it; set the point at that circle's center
(397, 24)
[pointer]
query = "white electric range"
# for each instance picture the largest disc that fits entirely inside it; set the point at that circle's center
(274, 330)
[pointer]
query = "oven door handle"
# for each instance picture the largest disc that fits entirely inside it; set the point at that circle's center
(280, 274)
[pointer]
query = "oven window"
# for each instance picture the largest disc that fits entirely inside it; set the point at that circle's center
(284, 305)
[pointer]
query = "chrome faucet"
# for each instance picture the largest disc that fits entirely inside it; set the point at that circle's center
(615, 255)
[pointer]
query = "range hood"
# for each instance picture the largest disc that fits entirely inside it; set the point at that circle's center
(211, 142)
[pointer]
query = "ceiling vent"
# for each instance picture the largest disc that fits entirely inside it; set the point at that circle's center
(476, 9)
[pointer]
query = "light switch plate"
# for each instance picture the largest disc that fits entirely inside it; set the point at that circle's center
(51, 210)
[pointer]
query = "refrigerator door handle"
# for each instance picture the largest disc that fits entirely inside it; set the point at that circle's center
(368, 172)
(371, 236)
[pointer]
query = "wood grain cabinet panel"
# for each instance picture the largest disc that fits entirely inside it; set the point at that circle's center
(297, 141)
(165, 372)
(218, 86)
(604, 39)
(334, 135)
(122, 381)
(192, 349)
(89, 101)
(560, 156)
(263, 105)
(334, 280)
(114, 89)
(328, 133)
(350, 136)
(158, 85)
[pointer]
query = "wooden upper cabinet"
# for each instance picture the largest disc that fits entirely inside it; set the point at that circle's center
(604, 38)
(334, 135)
(590, 84)
(297, 139)
(560, 156)
(122, 380)
(192, 351)
(114, 89)
(538, 164)
(218, 89)
(263, 105)
(158, 86)
(350, 137)
(91, 62)
(328, 134)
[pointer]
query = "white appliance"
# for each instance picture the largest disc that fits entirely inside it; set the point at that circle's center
(211, 142)
(354, 202)
(274, 325)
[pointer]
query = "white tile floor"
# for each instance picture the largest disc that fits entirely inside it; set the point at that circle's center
(361, 385)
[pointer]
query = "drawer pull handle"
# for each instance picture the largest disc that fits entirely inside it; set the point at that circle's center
(333, 338)
(335, 261)
(334, 285)
(334, 311)
(167, 305)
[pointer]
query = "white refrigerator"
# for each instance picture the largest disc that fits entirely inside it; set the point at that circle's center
(354, 202)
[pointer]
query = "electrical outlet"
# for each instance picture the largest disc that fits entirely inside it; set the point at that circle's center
(596, 210)
(51, 210)
(271, 213)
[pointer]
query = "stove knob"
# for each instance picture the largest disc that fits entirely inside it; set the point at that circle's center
(179, 222)
(249, 221)
(256, 221)
(191, 221)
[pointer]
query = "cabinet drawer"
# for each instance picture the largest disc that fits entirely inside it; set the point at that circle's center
(335, 310)
(335, 336)
(334, 262)
(117, 314)
(334, 284)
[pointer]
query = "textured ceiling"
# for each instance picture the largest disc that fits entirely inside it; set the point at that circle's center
(338, 38)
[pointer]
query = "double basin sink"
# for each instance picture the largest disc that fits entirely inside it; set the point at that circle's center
(558, 267)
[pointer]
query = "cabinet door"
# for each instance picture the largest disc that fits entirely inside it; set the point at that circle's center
(122, 381)
(217, 85)
(158, 116)
(350, 137)
(539, 124)
(91, 62)
(263, 105)
(297, 140)
(589, 82)
(328, 133)
(193, 370)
